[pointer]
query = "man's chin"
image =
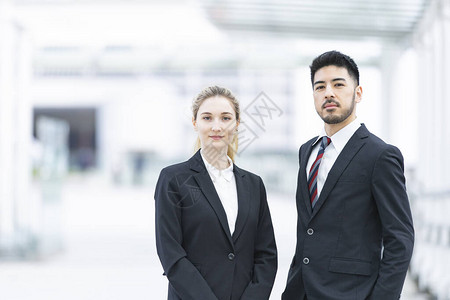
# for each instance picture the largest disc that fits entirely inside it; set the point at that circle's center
(333, 119)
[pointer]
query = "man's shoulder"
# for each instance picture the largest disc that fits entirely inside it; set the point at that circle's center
(376, 140)
(377, 145)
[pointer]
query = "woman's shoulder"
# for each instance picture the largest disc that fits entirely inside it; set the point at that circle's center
(247, 173)
(172, 173)
(175, 168)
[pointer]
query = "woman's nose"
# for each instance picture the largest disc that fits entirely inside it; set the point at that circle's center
(216, 126)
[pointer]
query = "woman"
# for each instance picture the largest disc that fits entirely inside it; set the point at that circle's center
(214, 233)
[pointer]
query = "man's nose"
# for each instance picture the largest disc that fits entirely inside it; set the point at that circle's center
(329, 91)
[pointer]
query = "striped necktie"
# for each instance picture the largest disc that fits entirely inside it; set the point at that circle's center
(312, 180)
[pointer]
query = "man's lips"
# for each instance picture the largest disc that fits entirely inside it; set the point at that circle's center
(330, 105)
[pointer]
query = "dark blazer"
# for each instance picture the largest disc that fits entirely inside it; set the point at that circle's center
(363, 207)
(202, 260)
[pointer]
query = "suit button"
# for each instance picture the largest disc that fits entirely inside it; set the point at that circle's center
(310, 231)
(231, 256)
(306, 260)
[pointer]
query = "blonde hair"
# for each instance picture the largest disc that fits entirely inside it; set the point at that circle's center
(213, 91)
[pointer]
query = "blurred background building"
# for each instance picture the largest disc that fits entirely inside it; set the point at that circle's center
(95, 99)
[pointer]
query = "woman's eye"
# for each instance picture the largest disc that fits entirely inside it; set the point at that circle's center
(206, 118)
(226, 118)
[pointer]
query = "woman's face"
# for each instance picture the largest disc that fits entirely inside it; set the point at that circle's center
(216, 124)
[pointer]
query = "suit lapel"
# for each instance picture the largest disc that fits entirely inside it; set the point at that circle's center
(303, 179)
(243, 201)
(345, 157)
(207, 187)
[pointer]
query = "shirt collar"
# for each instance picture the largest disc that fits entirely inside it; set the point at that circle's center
(215, 173)
(340, 138)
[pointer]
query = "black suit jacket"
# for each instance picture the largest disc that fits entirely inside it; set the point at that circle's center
(202, 260)
(362, 208)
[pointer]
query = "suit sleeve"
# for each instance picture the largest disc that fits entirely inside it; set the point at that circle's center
(182, 274)
(389, 191)
(265, 257)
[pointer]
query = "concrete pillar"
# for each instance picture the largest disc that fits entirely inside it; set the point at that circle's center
(426, 104)
(6, 122)
(15, 131)
(388, 65)
(432, 41)
(445, 140)
(440, 114)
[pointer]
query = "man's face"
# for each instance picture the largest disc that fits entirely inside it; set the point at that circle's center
(335, 94)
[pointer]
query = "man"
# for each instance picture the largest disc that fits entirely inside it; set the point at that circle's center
(354, 232)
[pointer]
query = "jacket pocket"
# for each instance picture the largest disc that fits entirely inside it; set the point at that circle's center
(350, 266)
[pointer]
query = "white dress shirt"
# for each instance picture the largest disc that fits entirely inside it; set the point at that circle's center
(338, 142)
(225, 185)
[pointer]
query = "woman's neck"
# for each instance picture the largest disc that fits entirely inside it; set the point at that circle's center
(218, 160)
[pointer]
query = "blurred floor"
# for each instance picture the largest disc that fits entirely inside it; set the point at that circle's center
(110, 250)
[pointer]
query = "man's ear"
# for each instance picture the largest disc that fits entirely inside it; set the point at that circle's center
(358, 94)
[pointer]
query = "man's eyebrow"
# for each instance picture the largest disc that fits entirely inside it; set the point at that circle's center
(334, 79)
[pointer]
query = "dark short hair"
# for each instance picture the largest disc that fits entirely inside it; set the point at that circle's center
(334, 58)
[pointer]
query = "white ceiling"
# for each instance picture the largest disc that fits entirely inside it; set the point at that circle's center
(148, 34)
(342, 19)
(324, 19)
(99, 24)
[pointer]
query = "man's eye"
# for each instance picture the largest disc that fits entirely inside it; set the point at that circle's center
(319, 87)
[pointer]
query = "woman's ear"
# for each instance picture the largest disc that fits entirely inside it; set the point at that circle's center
(194, 123)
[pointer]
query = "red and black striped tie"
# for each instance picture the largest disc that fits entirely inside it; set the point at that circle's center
(312, 180)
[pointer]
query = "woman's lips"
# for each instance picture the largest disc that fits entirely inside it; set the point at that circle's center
(216, 137)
